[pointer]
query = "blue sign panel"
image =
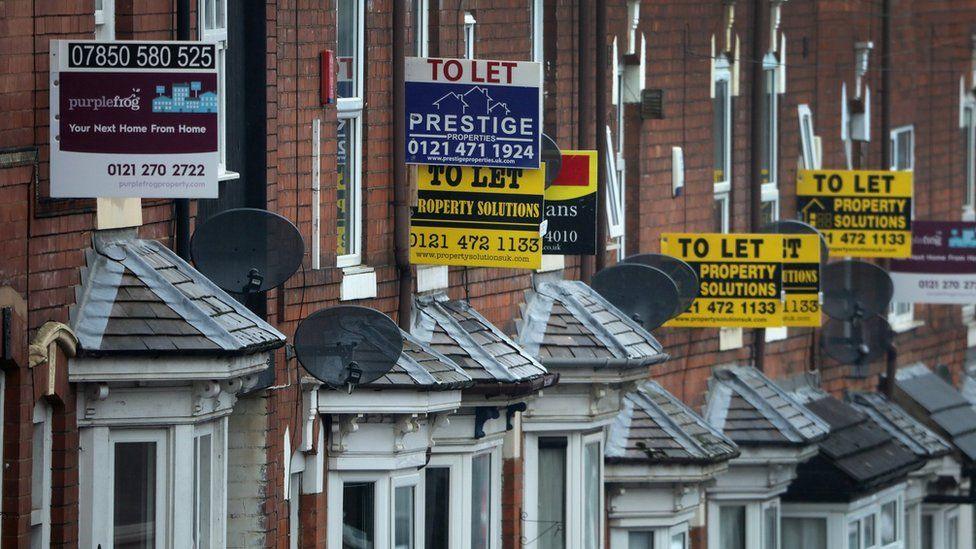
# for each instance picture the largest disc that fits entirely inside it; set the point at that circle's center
(473, 112)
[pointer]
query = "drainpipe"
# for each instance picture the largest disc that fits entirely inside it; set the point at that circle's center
(885, 84)
(585, 107)
(755, 156)
(401, 189)
(182, 205)
(600, 133)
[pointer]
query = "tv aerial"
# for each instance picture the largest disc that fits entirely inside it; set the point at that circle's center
(681, 273)
(348, 346)
(247, 250)
(793, 226)
(645, 294)
(857, 342)
(855, 289)
(553, 158)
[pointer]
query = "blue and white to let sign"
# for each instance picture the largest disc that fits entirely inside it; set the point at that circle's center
(473, 112)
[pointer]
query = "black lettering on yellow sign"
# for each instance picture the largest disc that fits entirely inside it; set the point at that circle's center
(477, 217)
(801, 280)
(860, 213)
(740, 279)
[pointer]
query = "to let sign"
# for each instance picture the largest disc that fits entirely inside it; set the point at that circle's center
(942, 268)
(473, 112)
(477, 217)
(571, 203)
(740, 279)
(134, 119)
(801, 280)
(861, 213)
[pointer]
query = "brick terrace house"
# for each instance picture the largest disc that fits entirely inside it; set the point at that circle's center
(243, 455)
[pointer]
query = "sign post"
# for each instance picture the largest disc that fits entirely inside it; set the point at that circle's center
(477, 217)
(740, 279)
(571, 203)
(134, 119)
(473, 112)
(861, 213)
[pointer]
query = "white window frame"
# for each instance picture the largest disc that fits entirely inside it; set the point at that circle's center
(217, 452)
(470, 24)
(40, 517)
(294, 510)
(384, 498)
(633, 22)
(158, 436)
(460, 468)
(421, 20)
(969, 127)
(808, 147)
(616, 224)
(218, 35)
(770, 190)
(537, 8)
(350, 109)
(105, 20)
(723, 189)
(774, 504)
(901, 316)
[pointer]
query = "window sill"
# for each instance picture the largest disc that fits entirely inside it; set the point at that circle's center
(357, 283)
(729, 339)
(776, 334)
(968, 213)
(552, 263)
(228, 176)
(431, 278)
(902, 326)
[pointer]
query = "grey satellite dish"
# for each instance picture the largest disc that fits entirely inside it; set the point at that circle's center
(792, 226)
(681, 273)
(645, 294)
(348, 346)
(553, 158)
(857, 342)
(247, 250)
(855, 289)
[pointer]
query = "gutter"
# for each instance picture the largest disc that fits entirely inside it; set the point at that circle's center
(606, 362)
(514, 389)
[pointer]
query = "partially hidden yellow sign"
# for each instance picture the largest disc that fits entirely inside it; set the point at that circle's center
(801, 280)
(478, 217)
(740, 279)
(861, 213)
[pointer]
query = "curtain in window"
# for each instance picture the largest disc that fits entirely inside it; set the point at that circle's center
(551, 510)
(805, 533)
(732, 527)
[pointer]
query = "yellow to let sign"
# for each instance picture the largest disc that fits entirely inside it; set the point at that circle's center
(740, 279)
(478, 217)
(861, 213)
(801, 280)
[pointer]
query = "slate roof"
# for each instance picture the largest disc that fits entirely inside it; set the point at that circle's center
(655, 427)
(458, 331)
(943, 404)
(899, 424)
(567, 320)
(751, 409)
(138, 297)
(857, 457)
(419, 366)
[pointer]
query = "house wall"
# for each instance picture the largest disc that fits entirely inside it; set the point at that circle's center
(42, 239)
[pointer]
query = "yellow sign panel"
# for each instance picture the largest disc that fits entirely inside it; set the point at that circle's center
(801, 280)
(861, 213)
(478, 217)
(739, 275)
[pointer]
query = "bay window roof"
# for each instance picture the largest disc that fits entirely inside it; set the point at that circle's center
(932, 399)
(566, 322)
(751, 409)
(899, 424)
(422, 367)
(138, 297)
(456, 330)
(654, 426)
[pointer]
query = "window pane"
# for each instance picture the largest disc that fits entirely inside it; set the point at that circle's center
(952, 533)
(808, 151)
(768, 212)
(592, 458)
(357, 515)
(38, 456)
(889, 522)
(770, 528)
(928, 532)
(768, 111)
(403, 518)
(679, 541)
(345, 156)
(438, 507)
(208, 14)
(347, 46)
(552, 493)
(805, 533)
(732, 524)
(869, 531)
(201, 490)
(419, 26)
(854, 535)
(221, 14)
(134, 495)
(719, 126)
(481, 501)
(640, 540)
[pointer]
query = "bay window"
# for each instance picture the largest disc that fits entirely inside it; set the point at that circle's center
(551, 510)
(732, 526)
(804, 532)
(138, 488)
(889, 522)
(358, 514)
(481, 501)
(349, 92)
(404, 527)
(212, 25)
(437, 487)
(564, 506)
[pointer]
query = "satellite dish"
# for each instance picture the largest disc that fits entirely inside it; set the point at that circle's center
(348, 345)
(645, 294)
(854, 288)
(681, 273)
(247, 250)
(792, 226)
(858, 342)
(553, 158)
